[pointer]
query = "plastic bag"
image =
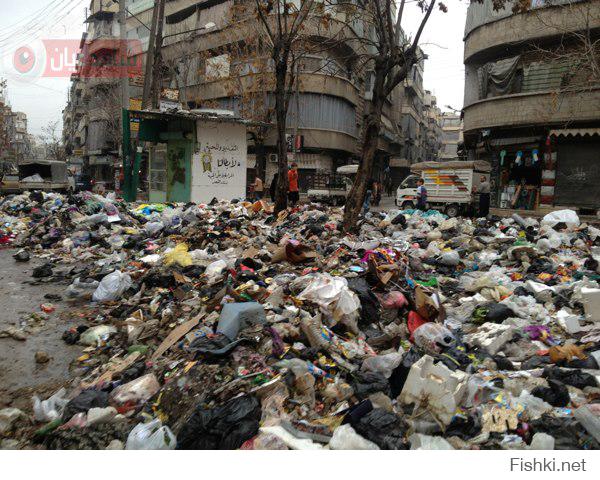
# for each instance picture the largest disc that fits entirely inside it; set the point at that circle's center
(51, 409)
(95, 335)
(151, 436)
(432, 337)
(152, 228)
(179, 255)
(215, 269)
(82, 289)
(137, 391)
(346, 438)
(383, 364)
(394, 299)
(569, 217)
(112, 287)
(450, 259)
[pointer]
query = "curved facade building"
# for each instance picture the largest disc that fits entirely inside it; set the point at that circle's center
(532, 102)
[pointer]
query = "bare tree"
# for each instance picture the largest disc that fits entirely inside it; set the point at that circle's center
(52, 141)
(578, 51)
(283, 24)
(391, 61)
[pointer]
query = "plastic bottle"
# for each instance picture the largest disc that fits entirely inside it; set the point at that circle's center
(589, 421)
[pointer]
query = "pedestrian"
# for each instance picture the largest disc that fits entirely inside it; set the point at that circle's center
(273, 187)
(389, 187)
(258, 187)
(421, 195)
(293, 191)
(484, 196)
(378, 190)
(368, 195)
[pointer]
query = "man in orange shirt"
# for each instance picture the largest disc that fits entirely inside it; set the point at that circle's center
(293, 193)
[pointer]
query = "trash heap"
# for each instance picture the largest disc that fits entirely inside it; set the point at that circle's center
(224, 326)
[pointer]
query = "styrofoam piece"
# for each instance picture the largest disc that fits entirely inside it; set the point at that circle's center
(591, 303)
(490, 336)
(434, 387)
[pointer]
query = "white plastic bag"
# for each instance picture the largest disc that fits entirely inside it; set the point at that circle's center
(79, 289)
(151, 436)
(51, 409)
(137, 391)
(346, 438)
(569, 217)
(215, 269)
(95, 335)
(112, 287)
(383, 364)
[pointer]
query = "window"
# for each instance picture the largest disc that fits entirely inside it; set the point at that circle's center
(410, 182)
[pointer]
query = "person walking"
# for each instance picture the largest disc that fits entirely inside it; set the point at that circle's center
(258, 187)
(484, 197)
(273, 187)
(421, 195)
(368, 195)
(293, 190)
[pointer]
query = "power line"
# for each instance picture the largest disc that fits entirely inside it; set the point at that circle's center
(32, 33)
(35, 14)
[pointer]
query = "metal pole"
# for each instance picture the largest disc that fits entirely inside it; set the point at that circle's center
(125, 138)
(150, 57)
(157, 61)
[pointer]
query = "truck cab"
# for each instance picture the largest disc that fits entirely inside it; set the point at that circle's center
(406, 195)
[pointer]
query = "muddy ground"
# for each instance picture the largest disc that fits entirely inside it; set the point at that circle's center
(20, 375)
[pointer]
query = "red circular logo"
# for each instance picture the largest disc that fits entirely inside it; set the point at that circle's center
(24, 59)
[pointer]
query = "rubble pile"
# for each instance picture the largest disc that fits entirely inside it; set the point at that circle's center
(224, 326)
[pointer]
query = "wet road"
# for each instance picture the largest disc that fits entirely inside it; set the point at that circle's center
(18, 299)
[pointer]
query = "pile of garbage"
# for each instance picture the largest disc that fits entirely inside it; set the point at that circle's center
(224, 326)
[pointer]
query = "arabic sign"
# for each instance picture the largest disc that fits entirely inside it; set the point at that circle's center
(219, 164)
(54, 58)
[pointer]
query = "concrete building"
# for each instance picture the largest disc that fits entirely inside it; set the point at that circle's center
(92, 118)
(432, 115)
(203, 52)
(452, 136)
(532, 102)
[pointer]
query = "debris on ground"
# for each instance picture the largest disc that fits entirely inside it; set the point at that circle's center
(224, 326)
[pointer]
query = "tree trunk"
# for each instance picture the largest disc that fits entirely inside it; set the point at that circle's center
(281, 115)
(370, 136)
(261, 156)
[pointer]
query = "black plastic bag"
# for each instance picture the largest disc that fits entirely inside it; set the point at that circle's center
(369, 312)
(385, 429)
(567, 432)
(84, 401)
(556, 394)
(575, 378)
(498, 312)
(225, 427)
(42, 271)
(366, 383)
(400, 373)
(399, 220)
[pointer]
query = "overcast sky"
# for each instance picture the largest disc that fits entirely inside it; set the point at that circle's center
(27, 22)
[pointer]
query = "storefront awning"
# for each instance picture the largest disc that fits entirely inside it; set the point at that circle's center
(574, 132)
(500, 142)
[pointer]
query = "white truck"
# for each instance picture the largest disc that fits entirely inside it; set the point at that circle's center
(451, 186)
(332, 189)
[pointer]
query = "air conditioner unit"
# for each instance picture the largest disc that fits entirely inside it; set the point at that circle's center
(273, 157)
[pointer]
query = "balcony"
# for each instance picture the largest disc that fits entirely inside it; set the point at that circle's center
(491, 39)
(530, 109)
